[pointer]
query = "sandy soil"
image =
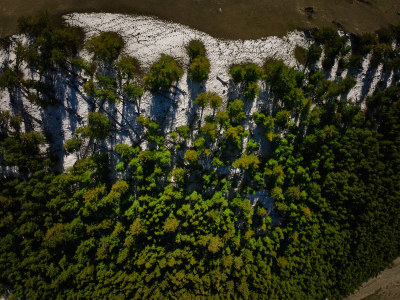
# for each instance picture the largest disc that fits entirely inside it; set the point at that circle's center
(386, 286)
(244, 19)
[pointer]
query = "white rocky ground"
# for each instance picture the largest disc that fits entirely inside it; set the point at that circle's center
(146, 38)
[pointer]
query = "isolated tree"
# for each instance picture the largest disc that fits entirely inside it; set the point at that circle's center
(163, 73)
(196, 48)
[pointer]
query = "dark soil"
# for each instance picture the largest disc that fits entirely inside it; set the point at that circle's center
(245, 19)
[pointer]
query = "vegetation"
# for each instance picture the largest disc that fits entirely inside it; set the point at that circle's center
(199, 64)
(180, 219)
(105, 46)
(195, 49)
(163, 73)
(247, 76)
(199, 69)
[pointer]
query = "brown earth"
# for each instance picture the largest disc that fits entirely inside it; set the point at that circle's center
(386, 286)
(245, 19)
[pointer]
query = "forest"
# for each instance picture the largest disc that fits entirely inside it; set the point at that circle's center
(170, 215)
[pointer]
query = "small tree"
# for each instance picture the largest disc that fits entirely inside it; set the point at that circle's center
(247, 162)
(98, 126)
(8, 80)
(72, 145)
(248, 75)
(183, 131)
(202, 100)
(196, 48)
(199, 69)
(313, 54)
(105, 46)
(215, 101)
(127, 67)
(235, 110)
(192, 156)
(135, 92)
(163, 73)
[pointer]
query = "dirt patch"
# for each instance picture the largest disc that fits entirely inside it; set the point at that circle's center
(386, 286)
(245, 19)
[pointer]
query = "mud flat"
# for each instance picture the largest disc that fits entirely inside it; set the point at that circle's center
(244, 19)
(385, 286)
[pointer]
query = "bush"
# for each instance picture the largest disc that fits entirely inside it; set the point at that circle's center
(72, 145)
(33, 25)
(105, 46)
(199, 69)
(127, 67)
(163, 73)
(247, 74)
(251, 90)
(98, 126)
(196, 48)
(237, 73)
(313, 54)
(184, 131)
(192, 156)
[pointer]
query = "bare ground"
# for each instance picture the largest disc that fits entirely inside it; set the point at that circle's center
(386, 286)
(244, 19)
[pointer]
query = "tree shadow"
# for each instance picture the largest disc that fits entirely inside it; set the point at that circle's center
(194, 88)
(163, 107)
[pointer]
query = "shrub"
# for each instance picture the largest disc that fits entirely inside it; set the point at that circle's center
(72, 145)
(127, 67)
(192, 156)
(313, 54)
(105, 46)
(183, 131)
(98, 126)
(163, 73)
(199, 69)
(196, 48)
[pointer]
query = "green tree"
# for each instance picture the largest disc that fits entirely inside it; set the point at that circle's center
(199, 69)
(192, 156)
(105, 46)
(98, 127)
(163, 73)
(195, 49)
(127, 67)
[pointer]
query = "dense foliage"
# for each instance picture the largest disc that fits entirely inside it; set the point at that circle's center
(199, 64)
(178, 222)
